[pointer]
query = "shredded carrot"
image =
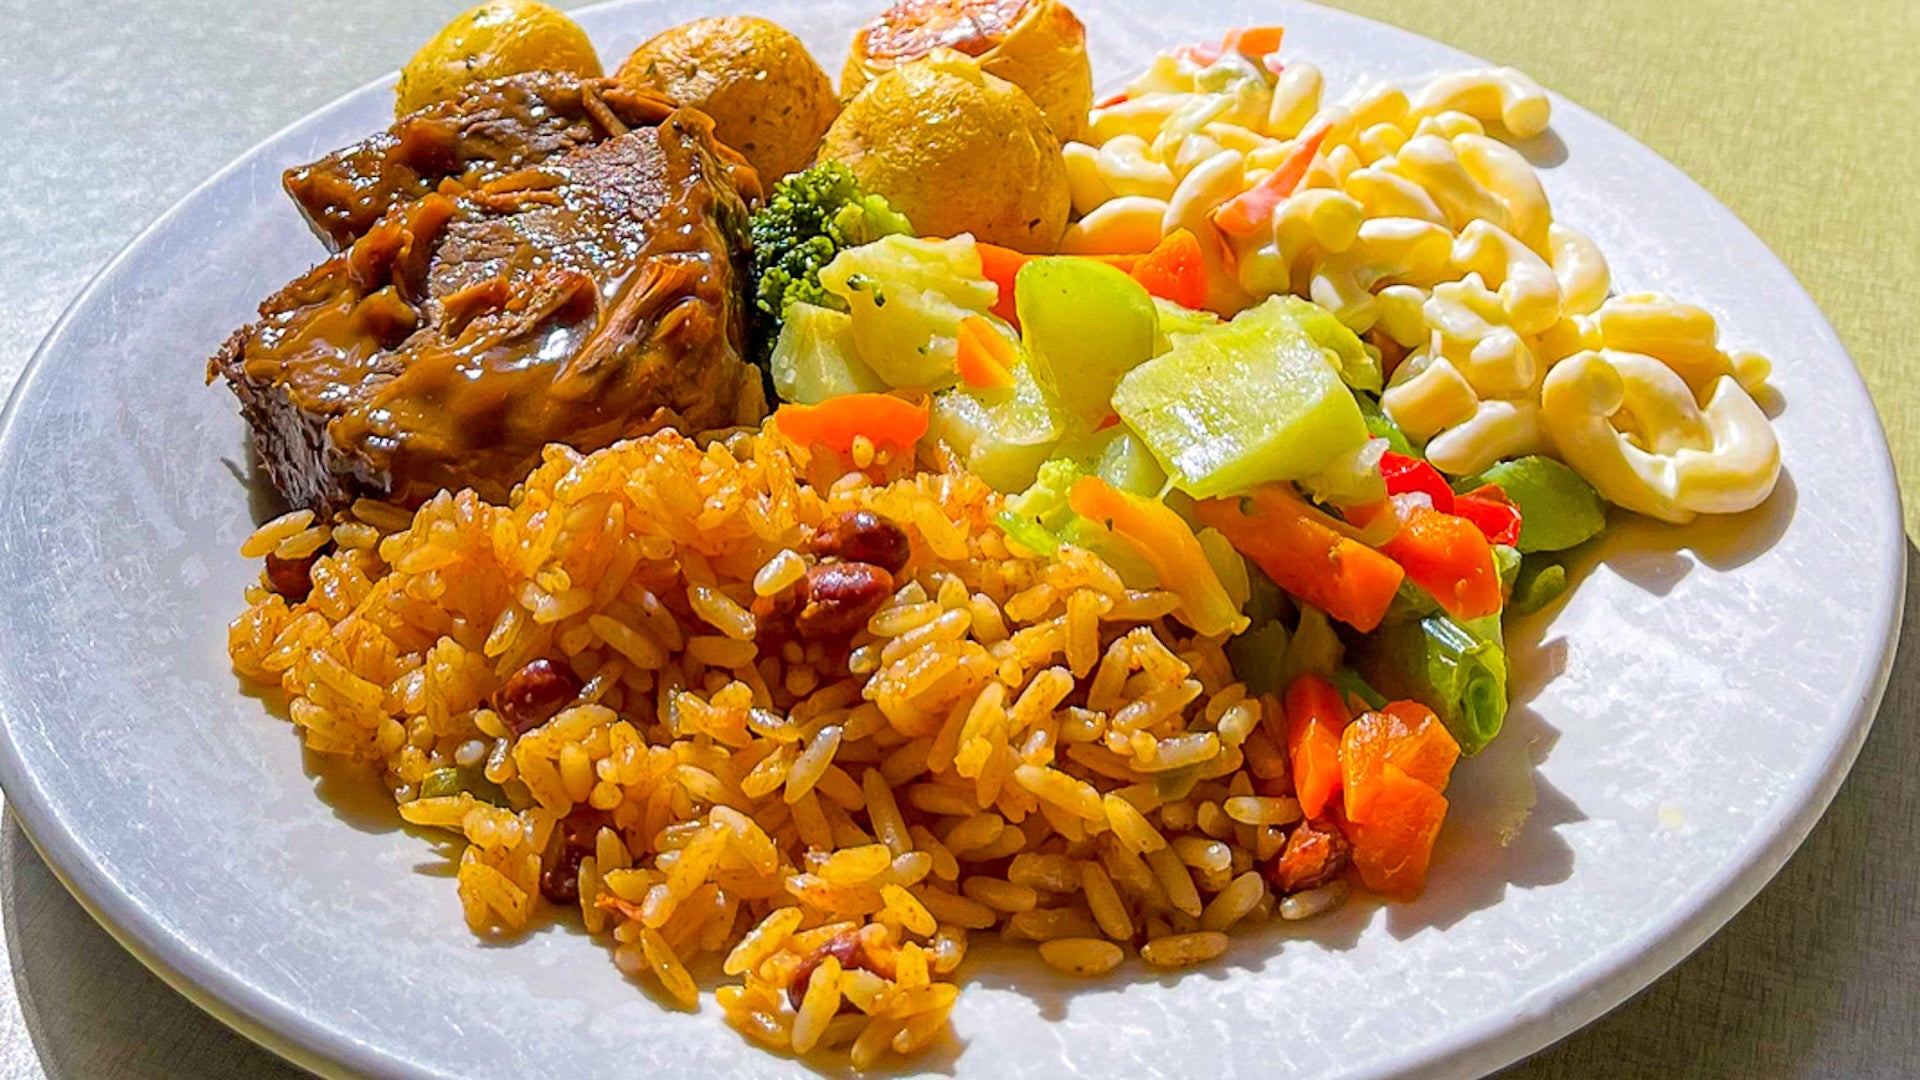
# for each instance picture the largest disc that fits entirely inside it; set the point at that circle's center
(1255, 42)
(1305, 556)
(1175, 270)
(985, 358)
(1315, 719)
(885, 420)
(1167, 544)
(1253, 208)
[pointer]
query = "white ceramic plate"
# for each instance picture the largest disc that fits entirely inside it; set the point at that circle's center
(1679, 726)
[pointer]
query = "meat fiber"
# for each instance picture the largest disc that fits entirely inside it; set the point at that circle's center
(590, 296)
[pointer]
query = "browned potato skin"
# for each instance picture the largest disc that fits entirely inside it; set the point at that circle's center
(1038, 45)
(956, 150)
(496, 39)
(768, 98)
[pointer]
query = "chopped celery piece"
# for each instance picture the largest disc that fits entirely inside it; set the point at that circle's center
(1245, 403)
(1557, 508)
(1457, 669)
(1540, 583)
(1382, 426)
(1027, 533)
(1350, 684)
(1359, 367)
(1085, 324)
(1179, 323)
(1257, 655)
(1116, 455)
(1001, 435)
(1228, 565)
(907, 297)
(1040, 519)
(1506, 563)
(1134, 570)
(1127, 464)
(814, 358)
(1314, 647)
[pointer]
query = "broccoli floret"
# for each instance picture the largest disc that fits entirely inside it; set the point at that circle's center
(810, 218)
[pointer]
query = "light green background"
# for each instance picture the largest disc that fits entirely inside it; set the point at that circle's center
(1803, 116)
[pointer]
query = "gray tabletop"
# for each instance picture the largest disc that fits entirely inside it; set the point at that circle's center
(113, 111)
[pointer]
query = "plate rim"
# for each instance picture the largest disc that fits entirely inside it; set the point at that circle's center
(1548, 1014)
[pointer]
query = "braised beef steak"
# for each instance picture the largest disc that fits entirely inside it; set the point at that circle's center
(590, 298)
(491, 129)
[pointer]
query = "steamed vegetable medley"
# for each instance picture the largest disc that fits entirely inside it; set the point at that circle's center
(1218, 423)
(1243, 463)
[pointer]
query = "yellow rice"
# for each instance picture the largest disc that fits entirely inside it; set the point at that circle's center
(1013, 741)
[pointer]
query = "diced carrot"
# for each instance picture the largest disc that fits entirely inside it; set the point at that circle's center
(1315, 719)
(1405, 735)
(1120, 98)
(1363, 753)
(1306, 556)
(984, 357)
(1175, 270)
(886, 420)
(1253, 208)
(1449, 557)
(1393, 846)
(1167, 544)
(1255, 42)
(1001, 265)
(1423, 746)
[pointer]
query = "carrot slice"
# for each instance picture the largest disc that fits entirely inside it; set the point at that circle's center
(1167, 543)
(984, 358)
(885, 420)
(1255, 42)
(1393, 847)
(1449, 557)
(1315, 719)
(1001, 265)
(1175, 270)
(1306, 556)
(1250, 210)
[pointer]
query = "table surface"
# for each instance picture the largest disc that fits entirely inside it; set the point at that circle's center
(1789, 112)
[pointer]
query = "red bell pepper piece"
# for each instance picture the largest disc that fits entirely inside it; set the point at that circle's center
(1405, 475)
(1489, 508)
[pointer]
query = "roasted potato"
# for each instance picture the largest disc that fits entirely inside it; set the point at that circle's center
(496, 39)
(956, 150)
(1037, 45)
(768, 98)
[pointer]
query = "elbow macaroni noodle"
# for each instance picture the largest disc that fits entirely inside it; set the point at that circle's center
(1426, 233)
